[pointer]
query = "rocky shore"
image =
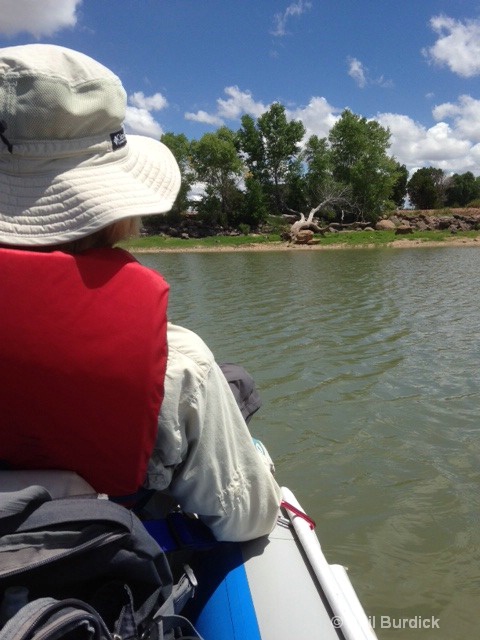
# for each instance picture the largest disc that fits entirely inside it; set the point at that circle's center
(402, 222)
(401, 243)
(454, 220)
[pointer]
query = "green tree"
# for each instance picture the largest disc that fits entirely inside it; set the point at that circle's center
(316, 156)
(217, 164)
(359, 159)
(225, 212)
(270, 147)
(399, 189)
(254, 210)
(329, 198)
(426, 188)
(180, 146)
(295, 187)
(461, 189)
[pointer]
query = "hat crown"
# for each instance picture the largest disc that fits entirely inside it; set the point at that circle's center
(48, 92)
(66, 167)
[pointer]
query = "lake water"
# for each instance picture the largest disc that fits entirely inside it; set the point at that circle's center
(368, 363)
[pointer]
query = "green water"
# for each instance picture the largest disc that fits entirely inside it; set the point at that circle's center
(368, 365)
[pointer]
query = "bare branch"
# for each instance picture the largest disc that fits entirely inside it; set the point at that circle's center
(334, 194)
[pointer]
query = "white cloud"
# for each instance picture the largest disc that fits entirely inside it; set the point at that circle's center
(417, 146)
(197, 191)
(452, 142)
(465, 115)
(458, 45)
(138, 116)
(150, 103)
(318, 117)
(381, 81)
(204, 118)
(141, 122)
(357, 72)
(237, 104)
(280, 19)
(38, 17)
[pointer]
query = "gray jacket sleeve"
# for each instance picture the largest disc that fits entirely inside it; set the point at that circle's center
(204, 453)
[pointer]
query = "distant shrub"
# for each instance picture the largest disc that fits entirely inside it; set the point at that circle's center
(276, 224)
(328, 215)
(389, 208)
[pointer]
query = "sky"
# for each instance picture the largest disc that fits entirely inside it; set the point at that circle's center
(191, 66)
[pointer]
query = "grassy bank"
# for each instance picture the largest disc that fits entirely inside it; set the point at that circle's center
(355, 239)
(213, 242)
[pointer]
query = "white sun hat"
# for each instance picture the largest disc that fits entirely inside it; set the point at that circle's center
(67, 168)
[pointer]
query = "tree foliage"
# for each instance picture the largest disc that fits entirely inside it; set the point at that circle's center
(316, 156)
(426, 188)
(359, 158)
(254, 210)
(462, 189)
(216, 163)
(270, 147)
(399, 189)
(180, 146)
(268, 167)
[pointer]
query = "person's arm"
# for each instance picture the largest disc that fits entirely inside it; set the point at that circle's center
(204, 449)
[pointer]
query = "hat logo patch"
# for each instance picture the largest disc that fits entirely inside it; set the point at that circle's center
(119, 139)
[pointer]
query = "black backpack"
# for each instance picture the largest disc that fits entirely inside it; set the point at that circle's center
(91, 570)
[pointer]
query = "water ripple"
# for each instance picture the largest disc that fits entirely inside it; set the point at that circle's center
(367, 362)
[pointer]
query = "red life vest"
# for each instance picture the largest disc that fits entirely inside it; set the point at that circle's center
(83, 354)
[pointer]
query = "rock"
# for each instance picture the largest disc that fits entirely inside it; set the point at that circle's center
(422, 225)
(303, 237)
(385, 225)
(403, 229)
(444, 223)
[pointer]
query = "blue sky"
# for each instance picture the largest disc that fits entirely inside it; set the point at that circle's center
(189, 66)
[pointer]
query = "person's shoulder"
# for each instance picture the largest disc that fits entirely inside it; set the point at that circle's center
(183, 343)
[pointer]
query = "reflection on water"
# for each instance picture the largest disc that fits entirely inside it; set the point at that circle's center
(368, 364)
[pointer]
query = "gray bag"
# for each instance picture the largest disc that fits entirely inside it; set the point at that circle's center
(49, 618)
(86, 562)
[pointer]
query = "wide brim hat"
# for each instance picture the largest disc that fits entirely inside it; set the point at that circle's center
(67, 169)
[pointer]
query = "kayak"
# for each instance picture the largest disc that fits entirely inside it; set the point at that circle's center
(272, 588)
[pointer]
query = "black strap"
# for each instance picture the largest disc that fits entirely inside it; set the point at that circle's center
(67, 510)
(3, 138)
(134, 501)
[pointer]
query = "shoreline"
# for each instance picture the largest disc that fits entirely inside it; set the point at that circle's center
(284, 246)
